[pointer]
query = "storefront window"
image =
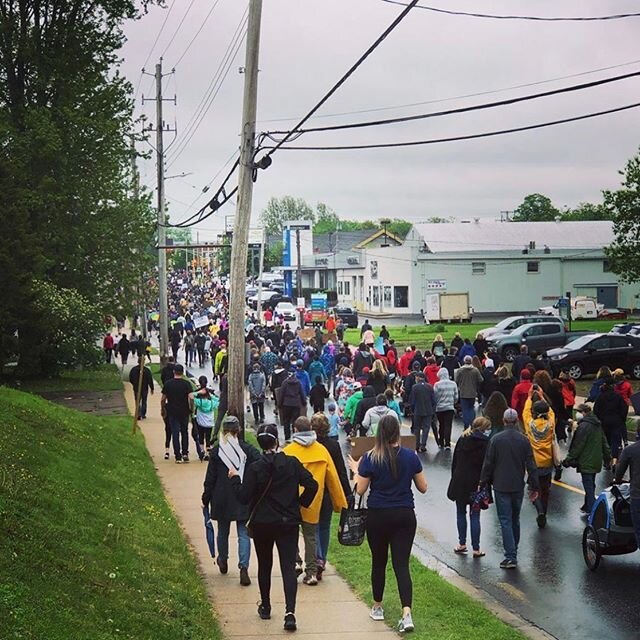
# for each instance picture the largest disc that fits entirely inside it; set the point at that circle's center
(400, 297)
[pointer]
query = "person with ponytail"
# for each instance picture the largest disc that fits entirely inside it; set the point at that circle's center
(388, 472)
(271, 488)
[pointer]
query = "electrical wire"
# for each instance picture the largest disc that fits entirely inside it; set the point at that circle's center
(214, 87)
(476, 107)
(175, 33)
(155, 42)
(215, 204)
(403, 14)
(617, 16)
(486, 134)
(197, 33)
(460, 97)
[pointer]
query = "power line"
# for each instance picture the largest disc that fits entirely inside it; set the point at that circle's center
(212, 91)
(197, 33)
(214, 202)
(460, 97)
(155, 42)
(486, 134)
(476, 107)
(175, 33)
(347, 75)
(618, 16)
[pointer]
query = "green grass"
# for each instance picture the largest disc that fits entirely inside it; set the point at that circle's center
(423, 335)
(104, 378)
(440, 610)
(89, 547)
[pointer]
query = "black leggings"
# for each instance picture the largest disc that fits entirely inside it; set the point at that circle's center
(395, 528)
(285, 538)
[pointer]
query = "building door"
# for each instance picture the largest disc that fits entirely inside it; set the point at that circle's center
(608, 296)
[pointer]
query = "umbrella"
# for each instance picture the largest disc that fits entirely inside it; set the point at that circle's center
(208, 528)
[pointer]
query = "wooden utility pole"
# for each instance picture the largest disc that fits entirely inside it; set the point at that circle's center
(239, 246)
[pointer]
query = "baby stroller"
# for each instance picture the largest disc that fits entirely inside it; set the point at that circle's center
(609, 531)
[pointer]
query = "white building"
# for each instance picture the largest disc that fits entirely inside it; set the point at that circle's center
(505, 267)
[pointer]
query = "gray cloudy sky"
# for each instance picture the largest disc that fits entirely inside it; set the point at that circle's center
(305, 48)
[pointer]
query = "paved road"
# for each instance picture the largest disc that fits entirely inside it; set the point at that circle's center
(552, 587)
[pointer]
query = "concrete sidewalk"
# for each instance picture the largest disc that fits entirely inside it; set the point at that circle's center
(327, 610)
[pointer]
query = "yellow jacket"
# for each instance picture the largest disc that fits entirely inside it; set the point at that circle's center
(541, 432)
(317, 460)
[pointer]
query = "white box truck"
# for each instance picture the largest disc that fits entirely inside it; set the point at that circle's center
(447, 307)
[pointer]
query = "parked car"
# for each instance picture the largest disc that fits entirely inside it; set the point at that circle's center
(623, 328)
(274, 299)
(348, 315)
(287, 310)
(265, 296)
(590, 352)
(612, 314)
(582, 307)
(539, 337)
(513, 322)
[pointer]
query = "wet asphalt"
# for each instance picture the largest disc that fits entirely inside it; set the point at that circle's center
(552, 587)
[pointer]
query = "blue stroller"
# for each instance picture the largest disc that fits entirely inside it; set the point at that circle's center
(609, 530)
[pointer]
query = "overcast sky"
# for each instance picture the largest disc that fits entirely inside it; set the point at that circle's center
(306, 46)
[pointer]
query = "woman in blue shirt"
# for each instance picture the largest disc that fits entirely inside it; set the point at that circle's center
(388, 471)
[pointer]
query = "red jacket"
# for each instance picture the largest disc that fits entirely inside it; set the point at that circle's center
(624, 389)
(404, 363)
(107, 343)
(569, 393)
(431, 373)
(520, 395)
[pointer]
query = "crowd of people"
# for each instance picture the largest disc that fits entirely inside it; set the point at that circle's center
(514, 416)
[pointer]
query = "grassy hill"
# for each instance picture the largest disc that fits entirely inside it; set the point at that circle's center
(89, 548)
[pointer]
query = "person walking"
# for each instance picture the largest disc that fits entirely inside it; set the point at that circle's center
(423, 408)
(373, 415)
(318, 395)
(223, 503)
(147, 386)
(469, 381)
(466, 467)
(223, 403)
(317, 460)
(291, 399)
(124, 346)
(107, 346)
(204, 403)
(588, 452)
(257, 385)
(520, 362)
(271, 487)
(388, 472)
(630, 459)
(611, 410)
(540, 428)
(446, 396)
(175, 401)
(521, 393)
(321, 424)
(508, 458)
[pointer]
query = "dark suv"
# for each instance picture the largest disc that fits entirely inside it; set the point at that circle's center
(588, 353)
(348, 315)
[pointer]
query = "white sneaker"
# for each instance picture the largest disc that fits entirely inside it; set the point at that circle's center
(376, 613)
(406, 624)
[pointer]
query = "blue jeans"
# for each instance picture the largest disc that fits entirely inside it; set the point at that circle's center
(323, 530)
(474, 520)
(468, 406)
(508, 505)
(180, 431)
(244, 542)
(635, 517)
(142, 412)
(589, 484)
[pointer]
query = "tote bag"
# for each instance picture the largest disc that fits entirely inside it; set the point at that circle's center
(353, 522)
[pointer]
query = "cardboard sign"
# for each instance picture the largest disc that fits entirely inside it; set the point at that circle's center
(360, 446)
(201, 321)
(306, 334)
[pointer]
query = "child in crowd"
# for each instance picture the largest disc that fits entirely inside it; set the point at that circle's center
(393, 404)
(334, 421)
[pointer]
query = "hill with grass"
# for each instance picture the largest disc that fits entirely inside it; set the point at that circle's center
(89, 547)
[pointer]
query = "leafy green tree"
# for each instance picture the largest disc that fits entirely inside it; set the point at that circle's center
(535, 208)
(327, 220)
(279, 210)
(273, 256)
(587, 211)
(623, 207)
(66, 165)
(179, 258)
